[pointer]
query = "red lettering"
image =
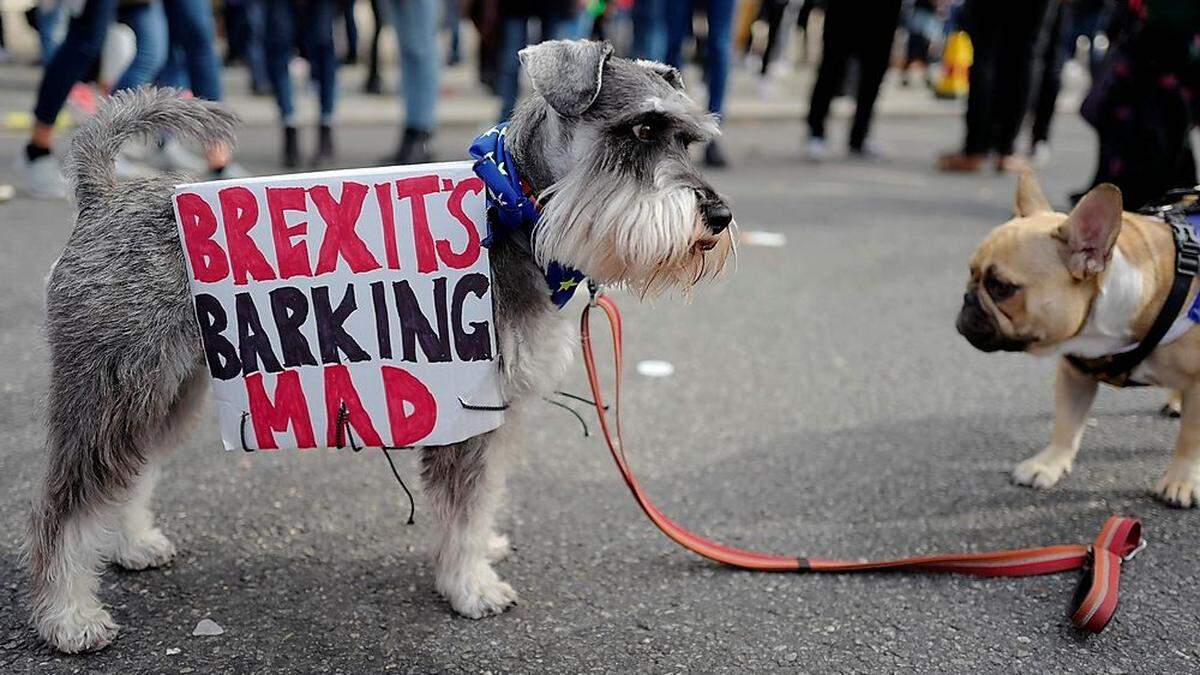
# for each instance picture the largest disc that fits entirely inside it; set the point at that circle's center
(470, 253)
(401, 387)
(199, 224)
(289, 408)
(339, 390)
(340, 220)
(387, 217)
(292, 257)
(239, 211)
(417, 188)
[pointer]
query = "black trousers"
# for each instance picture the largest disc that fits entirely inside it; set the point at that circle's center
(1053, 56)
(1004, 36)
(861, 29)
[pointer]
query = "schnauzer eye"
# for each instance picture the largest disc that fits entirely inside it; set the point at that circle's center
(645, 133)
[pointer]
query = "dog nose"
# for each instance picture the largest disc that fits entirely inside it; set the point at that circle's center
(717, 217)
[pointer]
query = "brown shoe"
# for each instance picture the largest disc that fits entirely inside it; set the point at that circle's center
(959, 162)
(1012, 164)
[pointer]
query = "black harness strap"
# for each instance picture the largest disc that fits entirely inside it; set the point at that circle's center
(1117, 369)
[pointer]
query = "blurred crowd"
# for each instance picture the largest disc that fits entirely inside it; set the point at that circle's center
(1006, 56)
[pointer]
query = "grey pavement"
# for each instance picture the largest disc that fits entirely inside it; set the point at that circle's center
(821, 404)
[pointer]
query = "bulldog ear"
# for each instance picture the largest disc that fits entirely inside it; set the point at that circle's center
(1030, 198)
(567, 73)
(1090, 231)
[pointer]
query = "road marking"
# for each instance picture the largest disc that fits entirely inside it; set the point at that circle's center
(652, 368)
(762, 238)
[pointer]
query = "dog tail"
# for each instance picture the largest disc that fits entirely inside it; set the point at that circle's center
(141, 112)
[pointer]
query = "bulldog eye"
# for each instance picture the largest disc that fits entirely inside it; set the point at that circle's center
(1000, 290)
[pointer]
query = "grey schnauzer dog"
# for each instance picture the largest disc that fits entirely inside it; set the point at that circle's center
(603, 144)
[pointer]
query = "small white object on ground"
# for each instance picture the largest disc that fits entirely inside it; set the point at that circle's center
(208, 627)
(172, 651)
(7, 192)
(761, 238)
(654, 368)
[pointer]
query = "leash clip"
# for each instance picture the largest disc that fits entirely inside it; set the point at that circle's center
(595, 290)
(1142, 544)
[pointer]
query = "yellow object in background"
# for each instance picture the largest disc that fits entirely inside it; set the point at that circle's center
(956, 64)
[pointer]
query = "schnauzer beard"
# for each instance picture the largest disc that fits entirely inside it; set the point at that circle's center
(617, 232)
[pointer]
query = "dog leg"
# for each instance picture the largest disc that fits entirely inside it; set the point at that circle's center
(462, 483)
(1074, 393)
(1180, 485)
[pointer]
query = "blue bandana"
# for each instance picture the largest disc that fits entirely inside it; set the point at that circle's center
(510, 211)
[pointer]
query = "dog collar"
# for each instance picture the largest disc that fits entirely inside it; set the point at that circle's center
(512, 209)
(1117, 369)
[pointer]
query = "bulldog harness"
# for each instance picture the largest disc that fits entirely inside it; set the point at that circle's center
(1183, 217)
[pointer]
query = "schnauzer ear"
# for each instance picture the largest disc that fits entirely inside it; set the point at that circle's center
(1090, 232)
(669, 73)
(567, 73)
(1030, 198)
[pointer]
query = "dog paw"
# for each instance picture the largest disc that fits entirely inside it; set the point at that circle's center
(478, 593)
(74, 631)
(1178, 489)
(144, 550)
(1039, 473)
(498, 548)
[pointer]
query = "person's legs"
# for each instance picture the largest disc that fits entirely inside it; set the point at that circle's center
(278, 45)
(516, 35)
(379, 14)
(836, 41)
(51, 18)
(72, 59)
(1022, 24)
(773, 11)
(191, 24)
(351, 32)
(1050, 81)
(415, 22)
(985, 37)
(720, 51)
(649, 19)
(317, 30)
(679, 27)
(876, 32)
(149, 24)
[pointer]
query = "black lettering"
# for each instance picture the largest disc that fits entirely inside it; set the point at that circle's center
(331, 336)
(414, 327)
(475, 345)
(220, 353)
(254, 344)
(383, 330)
(289, 307)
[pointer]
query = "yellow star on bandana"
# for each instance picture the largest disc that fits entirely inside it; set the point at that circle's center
(567, 284)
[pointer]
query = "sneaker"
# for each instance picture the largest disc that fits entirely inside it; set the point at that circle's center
(42, 178)
(325, 153)
(170, 155)
(869, 150)
(291, 148)
(1040, 155)
(414, 149)
(714, 157)
(815, 149)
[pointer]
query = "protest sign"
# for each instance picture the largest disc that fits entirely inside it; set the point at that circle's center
(345, 308)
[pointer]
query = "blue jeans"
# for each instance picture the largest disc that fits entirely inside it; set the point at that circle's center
(649, 29)
(73, 58)
(193, 59)
(720, 40)
(316, 30)
(51, 20)
(416, 23)
(516, 37)
(149, 24)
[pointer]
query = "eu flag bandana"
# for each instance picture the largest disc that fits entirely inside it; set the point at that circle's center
(510, 211)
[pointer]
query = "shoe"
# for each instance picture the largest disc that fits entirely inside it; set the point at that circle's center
(1012, 164)
(869, 150)
(714, 157)
(414, 148)
(960, 162)
(291, 148)
(325, 153)
(815, 149)
(126, 167)
(41, 178)
(229, 171)
(170, 155)
(374, 85)
(1039, 156)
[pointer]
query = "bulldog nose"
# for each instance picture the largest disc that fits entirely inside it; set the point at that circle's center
(717, 216)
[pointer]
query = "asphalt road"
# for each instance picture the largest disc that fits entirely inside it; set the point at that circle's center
(821, 403)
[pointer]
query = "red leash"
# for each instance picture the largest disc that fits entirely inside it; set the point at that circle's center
(1095, 601)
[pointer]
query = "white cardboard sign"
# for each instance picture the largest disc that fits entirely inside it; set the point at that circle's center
(345, 308)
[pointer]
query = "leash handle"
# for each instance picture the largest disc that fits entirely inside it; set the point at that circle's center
(1095, 601)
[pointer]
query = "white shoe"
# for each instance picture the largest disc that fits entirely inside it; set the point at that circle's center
(170, 155)
(40, 179)
(1041, 154)
(816, 150)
